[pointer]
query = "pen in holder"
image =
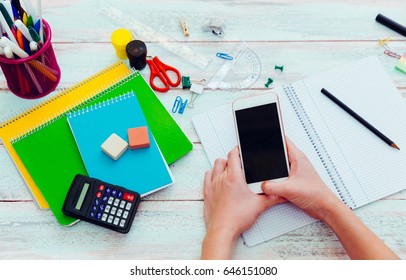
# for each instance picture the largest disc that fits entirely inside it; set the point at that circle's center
(36, 75)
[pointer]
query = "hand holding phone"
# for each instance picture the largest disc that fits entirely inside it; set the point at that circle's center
(261, 139)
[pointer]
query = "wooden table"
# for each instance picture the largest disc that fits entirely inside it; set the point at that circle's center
(307, 37)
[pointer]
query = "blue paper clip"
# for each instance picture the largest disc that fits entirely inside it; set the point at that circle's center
(179, 106)
(224, 56)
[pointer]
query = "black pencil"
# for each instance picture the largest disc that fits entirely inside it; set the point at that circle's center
(359, 118)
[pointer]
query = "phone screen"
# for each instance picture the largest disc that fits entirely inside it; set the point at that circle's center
(261, 143)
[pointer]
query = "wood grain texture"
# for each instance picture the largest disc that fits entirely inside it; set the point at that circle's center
(307, 37)
(174, 230)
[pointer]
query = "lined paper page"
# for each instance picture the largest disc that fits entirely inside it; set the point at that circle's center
(372, 169)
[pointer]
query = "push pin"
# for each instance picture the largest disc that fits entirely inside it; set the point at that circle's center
(186, 82)
(270, 81)
(279, 68)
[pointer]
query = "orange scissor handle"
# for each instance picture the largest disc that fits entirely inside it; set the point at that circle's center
(163, 70)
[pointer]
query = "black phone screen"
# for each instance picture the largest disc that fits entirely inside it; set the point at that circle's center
(261, 143)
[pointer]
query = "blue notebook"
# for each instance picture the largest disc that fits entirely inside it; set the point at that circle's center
(142, 170)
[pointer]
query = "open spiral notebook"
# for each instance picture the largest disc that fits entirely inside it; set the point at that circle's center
(358, 166)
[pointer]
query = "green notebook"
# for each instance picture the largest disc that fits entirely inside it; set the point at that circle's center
(52, 158)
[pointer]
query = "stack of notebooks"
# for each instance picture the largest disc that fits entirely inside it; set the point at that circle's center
(54, 141)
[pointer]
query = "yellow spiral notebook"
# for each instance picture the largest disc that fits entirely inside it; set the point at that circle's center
(52, 107)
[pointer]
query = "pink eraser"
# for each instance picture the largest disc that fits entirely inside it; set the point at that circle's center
(138, 137)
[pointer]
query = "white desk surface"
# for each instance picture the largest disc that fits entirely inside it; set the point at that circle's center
(307, 37)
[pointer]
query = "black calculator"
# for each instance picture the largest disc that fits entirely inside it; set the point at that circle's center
(101, 203)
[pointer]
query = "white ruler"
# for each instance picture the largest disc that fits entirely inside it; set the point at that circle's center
(146, 32)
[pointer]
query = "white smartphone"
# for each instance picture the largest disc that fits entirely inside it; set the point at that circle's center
(261, 139)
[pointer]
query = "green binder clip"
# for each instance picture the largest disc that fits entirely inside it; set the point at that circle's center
(186, 82)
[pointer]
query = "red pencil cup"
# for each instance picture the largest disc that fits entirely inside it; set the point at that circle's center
(36, 75)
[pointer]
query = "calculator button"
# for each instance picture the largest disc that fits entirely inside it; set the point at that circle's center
(129, 197)
(119, 212)
(120, 194)
(101, 188)
(113, 211)
(116, 202)
(96, 202)
(116, 220)
(110, 219)
(125, 215)
(101, 207)
(122, 223)
(107, 209)
(98, 194)
(111, 199)
(108, 190)
(105, 199)
(98, 215)
(92, 215)
(128, 207)
(104, 217)
(94, 208)
(114, 192)
(122, 204)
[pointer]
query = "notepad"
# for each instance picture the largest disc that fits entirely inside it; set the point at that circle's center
(48, 151)
(356, 165)
(45, 111)
(143, 170)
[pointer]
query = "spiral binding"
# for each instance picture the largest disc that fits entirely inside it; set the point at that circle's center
(63, 92)
(108, 102)
(319, 147)
(80, 104)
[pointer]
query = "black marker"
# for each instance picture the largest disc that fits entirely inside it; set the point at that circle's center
(391, 24)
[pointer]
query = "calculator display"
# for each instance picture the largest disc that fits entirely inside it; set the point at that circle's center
(82, 196)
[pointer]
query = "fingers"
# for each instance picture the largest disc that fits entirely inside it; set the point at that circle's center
(219, 167)
(266, 201)
(207, 177)
(206, 184)
(275, 188)
(293, 151)
(234, 162)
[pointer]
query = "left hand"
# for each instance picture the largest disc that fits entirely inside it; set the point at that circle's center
(230, 207)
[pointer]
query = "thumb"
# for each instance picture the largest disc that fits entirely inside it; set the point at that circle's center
(274, 188)
(266, 201)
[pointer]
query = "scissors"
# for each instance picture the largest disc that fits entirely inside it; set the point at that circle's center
(159, 70)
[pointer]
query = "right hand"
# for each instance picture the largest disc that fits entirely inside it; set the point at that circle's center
(304, 187)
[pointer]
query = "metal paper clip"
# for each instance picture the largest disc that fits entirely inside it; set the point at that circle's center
(384, 43)
(392, 54)
(179, 106)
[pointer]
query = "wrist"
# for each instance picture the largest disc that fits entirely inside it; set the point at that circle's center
(218, 244)
(332, 207)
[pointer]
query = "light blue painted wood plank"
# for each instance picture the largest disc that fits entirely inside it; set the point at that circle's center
(165, 230)
(245, 20)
